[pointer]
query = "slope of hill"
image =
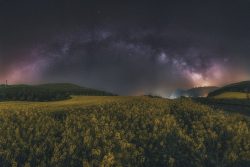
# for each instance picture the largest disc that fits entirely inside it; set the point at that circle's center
(242, 87)
(194, 92)
(46, 92)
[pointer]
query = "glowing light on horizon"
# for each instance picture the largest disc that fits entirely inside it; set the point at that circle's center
(25, 73)
(197, 79)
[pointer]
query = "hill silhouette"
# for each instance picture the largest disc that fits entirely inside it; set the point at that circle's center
(194, 92)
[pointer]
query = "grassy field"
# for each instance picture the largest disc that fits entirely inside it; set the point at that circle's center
(233, 102)
(74, 102)
(231, 95)
(121, 131)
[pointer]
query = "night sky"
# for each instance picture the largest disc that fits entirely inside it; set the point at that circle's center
(125, 47)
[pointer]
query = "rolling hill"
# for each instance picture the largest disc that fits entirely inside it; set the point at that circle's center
(231, 98)
(46, 92)
(235, 90)
(194, 92)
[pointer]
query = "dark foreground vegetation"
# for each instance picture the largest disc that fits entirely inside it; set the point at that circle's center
(241, 106)
(137, 132)
(46, 92)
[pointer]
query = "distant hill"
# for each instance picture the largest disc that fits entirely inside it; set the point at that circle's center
(240, 87)
(194, 92)
(152, 96)
(46, 92)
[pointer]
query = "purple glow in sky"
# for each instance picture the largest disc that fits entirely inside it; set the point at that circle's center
(127, 47)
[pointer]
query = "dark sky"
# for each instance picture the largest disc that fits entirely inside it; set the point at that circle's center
(126, 47)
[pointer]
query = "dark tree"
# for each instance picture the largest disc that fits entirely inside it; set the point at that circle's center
(247, 93)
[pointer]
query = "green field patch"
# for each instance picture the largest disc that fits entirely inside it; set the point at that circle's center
(74, 102)
(231, 95)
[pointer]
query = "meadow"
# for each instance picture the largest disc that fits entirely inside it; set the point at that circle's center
(232, 95)
(121, 131)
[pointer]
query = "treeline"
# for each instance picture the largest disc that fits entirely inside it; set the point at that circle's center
(46, 92)
(144, 132)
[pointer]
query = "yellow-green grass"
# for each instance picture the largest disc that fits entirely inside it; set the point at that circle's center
(231, 95)
(120, 131)
(74, 102)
